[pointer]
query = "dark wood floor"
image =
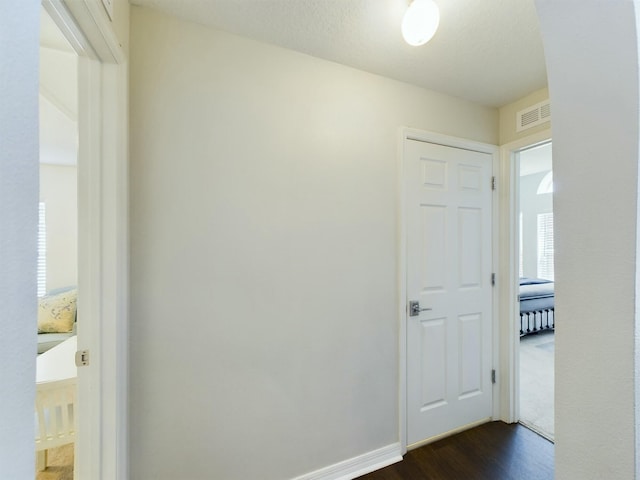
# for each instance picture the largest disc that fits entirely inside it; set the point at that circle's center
(493, 451)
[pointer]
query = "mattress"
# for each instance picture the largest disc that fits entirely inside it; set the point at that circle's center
(536, 294)
(536, 305)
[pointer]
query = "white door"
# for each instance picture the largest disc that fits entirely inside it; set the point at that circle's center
(449, 197)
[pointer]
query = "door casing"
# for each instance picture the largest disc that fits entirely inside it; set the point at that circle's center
(449, 141)
(508, 288)
(102, 436)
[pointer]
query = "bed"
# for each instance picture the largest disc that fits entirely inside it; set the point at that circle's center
(55, 399)
(536, 305)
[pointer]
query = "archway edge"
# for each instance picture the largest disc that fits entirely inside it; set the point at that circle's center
(591, 50)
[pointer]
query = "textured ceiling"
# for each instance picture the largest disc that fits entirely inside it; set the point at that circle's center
(487, 51)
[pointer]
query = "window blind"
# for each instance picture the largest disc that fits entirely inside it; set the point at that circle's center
(521, 257)
(42, 250)
(545, 246)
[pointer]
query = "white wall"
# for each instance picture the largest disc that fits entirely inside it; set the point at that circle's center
(264, 223)
(58, 106)
(18, 232)
(59, 191)
(592, 61)
(59, 79)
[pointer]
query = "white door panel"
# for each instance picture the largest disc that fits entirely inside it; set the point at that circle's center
(449, 274)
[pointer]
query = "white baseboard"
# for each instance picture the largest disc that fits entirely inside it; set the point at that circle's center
(357, 466)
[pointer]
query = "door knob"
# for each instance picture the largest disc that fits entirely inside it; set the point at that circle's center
(414, 308)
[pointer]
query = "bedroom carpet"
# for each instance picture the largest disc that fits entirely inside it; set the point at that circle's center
(536, 383)
(60, 464)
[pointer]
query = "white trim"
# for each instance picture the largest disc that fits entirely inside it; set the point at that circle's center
(115, 270)
(456, 142)
(508, 261)
(357, 466)
(66, 22)
(87, 456)
(495, 263)
(402, 292)
(102, 437)
(96, 26)
(448, 141)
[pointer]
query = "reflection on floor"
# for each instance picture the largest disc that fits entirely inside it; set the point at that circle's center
(493, 451)
(536, 383)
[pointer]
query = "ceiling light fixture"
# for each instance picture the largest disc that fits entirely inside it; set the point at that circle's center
(420, 22)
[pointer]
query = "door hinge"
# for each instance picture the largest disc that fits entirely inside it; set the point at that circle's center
(493, 376)
(493, 279)
(82, 358)
(493, 183)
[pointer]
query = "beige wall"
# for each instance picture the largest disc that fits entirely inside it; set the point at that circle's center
(58, 189)
(264, 220)
(508, 117)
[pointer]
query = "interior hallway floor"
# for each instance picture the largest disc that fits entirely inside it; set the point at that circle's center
(493, 451)
(537, 382)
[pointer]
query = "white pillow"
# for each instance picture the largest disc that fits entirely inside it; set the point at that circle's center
(57, 313)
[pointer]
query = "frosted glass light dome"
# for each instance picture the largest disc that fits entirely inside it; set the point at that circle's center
(420, 22)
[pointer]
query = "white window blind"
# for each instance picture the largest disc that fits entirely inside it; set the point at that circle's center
(545, 246)
(521, 258)
(42, 250)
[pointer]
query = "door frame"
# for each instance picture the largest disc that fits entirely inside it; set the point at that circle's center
(509, 346)
(407, 133)
(102, 436)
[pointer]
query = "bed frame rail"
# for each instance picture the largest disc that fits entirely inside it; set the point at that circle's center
(536, 321)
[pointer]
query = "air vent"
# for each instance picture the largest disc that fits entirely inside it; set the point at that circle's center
(533, 116)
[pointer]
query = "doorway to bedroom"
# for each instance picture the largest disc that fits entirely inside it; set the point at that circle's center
(536, 320)
(57, 267)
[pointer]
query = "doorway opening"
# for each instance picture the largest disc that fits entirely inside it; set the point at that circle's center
(535, 319)
(100, 413)
(448, 257)
(57, 267)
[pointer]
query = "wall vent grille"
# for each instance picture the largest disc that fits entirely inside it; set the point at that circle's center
(533, 116)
